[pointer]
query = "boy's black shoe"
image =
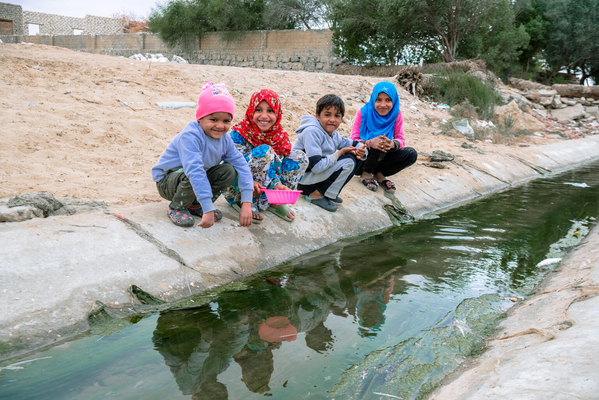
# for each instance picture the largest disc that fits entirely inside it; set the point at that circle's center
(324, 203)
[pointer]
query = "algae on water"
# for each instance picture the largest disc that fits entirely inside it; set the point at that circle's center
(414, 367)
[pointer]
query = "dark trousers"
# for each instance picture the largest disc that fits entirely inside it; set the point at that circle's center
(175, 185)
(389, 163)
(323, 186)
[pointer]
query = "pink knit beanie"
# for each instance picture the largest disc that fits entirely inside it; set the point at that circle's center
(215, 98)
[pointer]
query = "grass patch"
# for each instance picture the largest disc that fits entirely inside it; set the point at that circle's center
(455, 88)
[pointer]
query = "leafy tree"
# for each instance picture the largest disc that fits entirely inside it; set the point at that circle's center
(182, 22)
(529, 14)
(366, 31)
(387, 31)
(448, 22)
(496, 40)
(289, 14)
(179, 22)
(572, 39)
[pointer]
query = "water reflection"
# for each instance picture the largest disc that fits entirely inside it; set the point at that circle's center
(248, 328)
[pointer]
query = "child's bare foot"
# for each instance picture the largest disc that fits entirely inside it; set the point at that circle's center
(289, 214)
(256, 216)
(315, 195)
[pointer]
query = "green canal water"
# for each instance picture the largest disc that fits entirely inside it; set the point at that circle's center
(388, 314)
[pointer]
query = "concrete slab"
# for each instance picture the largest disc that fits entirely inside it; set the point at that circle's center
(53, 270)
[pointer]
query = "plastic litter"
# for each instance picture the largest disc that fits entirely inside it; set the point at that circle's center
(30, 102)
(463, 127)
(175, 105)
(582, 185)
(548, 261)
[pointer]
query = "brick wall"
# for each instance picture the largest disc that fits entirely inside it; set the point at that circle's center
(14, 14)
(310, 50)
(54, 24)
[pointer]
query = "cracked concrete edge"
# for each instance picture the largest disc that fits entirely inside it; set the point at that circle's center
(185, 261)
(546, 345)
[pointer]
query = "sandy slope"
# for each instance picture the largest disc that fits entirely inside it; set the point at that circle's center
(77, 140)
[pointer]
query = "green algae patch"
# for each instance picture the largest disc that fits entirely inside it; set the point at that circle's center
(413, 368)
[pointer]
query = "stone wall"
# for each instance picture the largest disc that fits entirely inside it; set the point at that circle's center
(288, 50)
(53, 24)
(14, 14)
(310, 50)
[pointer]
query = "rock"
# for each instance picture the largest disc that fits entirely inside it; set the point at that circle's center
(546, 101)
(19, 213)
(518, 99)
(572, 113)
(556, 103)
(541, 112)
(570, 102)
(547, 93)
(46, 202)
(594, 111)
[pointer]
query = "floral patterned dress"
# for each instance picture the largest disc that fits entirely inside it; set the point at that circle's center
(267, 152)
(267, 168)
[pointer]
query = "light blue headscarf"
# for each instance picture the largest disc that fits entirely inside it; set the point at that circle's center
(373, 124)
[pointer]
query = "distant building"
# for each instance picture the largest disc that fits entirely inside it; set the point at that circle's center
(15, 21)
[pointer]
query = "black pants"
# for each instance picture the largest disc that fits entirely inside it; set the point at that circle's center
(323, 186)
(175, 186)
(389, 163)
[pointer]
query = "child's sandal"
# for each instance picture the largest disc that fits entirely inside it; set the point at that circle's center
(181, 217)
(197, 211)
(370, 183)
(388, 186)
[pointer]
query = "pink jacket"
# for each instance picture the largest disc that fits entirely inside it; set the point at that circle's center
(398, 131)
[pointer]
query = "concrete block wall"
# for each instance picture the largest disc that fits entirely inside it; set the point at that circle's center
(14, 14)
(287, 50)
(102, 25)
(310, 50)
(54, 24)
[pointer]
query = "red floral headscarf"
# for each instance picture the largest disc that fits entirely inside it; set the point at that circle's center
(275, 137)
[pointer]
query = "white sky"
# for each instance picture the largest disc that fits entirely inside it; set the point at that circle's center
(80, 8)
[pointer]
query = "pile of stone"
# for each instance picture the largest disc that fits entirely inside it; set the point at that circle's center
(562, 102)
(158, 58)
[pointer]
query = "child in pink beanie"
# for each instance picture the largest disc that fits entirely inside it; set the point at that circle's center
(202, 161)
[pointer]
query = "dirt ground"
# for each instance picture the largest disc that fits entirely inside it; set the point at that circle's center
(88, 126)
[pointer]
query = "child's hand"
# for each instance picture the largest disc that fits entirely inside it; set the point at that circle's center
(378, 143)
(388, 144)
(257, 187)
(207, 220)
(245, 215)
(361, 152)
(280, 186)
(346, 150)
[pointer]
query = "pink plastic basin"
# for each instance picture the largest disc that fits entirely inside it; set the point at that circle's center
(282, 196)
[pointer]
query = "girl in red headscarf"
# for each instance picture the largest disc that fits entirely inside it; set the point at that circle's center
(267, 149)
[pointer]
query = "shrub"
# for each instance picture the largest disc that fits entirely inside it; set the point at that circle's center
(457, 87)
